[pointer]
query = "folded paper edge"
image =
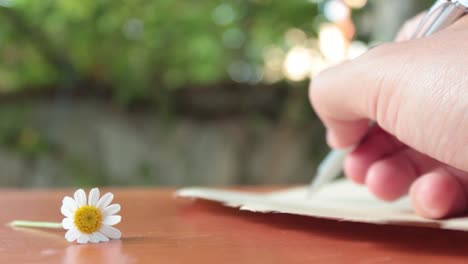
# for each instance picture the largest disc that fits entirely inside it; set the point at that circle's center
(256, 203)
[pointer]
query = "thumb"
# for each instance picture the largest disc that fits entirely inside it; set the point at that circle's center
(346, 97)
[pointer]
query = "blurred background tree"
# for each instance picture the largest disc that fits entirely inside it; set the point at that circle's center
(173, 59)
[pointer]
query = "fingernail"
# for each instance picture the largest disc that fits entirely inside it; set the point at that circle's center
(420, 203)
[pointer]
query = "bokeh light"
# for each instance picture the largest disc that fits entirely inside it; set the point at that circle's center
(306, 55)
(356, 4)
(273, 57)
(336, 10)
(332, 43)
(224, 14)
(133, 29)
(6, 3)
(297, 65)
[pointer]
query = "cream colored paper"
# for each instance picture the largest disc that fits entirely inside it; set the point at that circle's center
(343, 200)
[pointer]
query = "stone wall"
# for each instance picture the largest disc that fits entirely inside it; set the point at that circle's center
(88, 143)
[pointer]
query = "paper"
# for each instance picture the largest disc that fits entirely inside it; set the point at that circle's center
(343, 200)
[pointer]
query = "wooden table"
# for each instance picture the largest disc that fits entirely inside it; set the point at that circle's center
(160, 229)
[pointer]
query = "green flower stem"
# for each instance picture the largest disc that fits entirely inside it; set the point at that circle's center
(37, 224)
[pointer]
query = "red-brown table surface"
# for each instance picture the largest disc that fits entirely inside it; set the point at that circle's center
(158, 228)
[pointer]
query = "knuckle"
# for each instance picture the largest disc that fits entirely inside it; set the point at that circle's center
(382, 84)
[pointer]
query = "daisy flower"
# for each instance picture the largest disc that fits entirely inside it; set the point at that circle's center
(92, 219)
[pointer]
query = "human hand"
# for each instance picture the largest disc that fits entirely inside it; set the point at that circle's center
(417, 93)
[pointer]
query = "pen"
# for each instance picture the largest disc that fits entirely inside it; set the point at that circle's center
(442, 14)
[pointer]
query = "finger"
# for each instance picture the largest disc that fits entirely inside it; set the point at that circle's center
(391, 177)
(438, 194)
(342, 134)
(376, 145)
(341, 103)
(409, 28)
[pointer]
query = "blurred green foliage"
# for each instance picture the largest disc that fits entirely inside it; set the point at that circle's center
(140, 48)
(143, 50)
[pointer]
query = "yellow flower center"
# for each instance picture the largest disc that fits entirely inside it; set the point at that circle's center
(88, 219)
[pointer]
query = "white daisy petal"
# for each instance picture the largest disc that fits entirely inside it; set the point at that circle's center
(111, 209)
(112, 220)
(68, 201)
(101, 237)
(105, 200)
(110, 232)
(80, 197)
(81, 205)
(72, 234)
(83, 239)
(93, 238)
(67, 211)
(93, 197)
(68, 223)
